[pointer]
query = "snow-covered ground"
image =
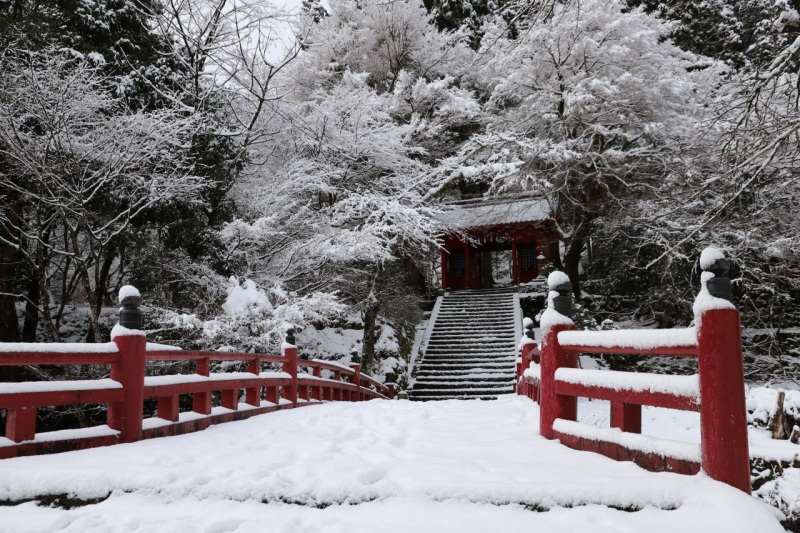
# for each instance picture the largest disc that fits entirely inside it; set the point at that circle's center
(376, 466)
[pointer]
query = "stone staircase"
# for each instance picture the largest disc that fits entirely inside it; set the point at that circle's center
(471, 351)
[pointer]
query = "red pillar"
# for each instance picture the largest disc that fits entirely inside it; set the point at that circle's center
(553, 405)
(723, 418)
(126, 416)
(514, 261)
(626, 416)
(444, 268)
(467, 279)
(290, 367)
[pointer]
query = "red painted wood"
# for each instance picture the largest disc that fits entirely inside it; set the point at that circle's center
(59, 446)
(648, 461)
(216, 385)
(201, 400)
(467, 280)
(553, 405)
(656, 399)
(169, 408)
(723, 418)
(676, 351)
(338, 394)
(626, 416)
(196, 355)
(230, 399)
(49, 358)
(125, 404)
(357, 396)
(21, 424)
(514, 262)
(290, 367)
(76, 396)
(391, 394)
(252, 395)
(303, 386)
(126, 415)
(444, 268)
(273, 394)
(316, 392)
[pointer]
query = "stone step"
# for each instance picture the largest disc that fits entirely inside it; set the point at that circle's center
(456, 392)
(460, 366)
(447, 351)
(466, 343)
(497, 373)
(449, 384)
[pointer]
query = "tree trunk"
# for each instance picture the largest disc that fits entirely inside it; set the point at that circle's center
(9, 259)
(572, 261)
(32, 309)
(370, 316)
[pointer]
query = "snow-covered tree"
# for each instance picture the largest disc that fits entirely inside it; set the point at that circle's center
(593, 106)
(82, 171)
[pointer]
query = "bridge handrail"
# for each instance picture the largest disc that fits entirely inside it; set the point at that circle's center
(128, 386)
(716, 391)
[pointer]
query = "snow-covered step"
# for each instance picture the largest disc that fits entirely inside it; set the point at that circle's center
(471, 352)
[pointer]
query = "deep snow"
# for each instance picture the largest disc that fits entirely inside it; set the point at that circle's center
(380, 465)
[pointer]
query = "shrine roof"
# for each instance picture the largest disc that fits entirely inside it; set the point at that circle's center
(482, 213)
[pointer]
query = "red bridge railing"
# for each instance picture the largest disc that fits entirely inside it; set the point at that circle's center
(717, 391)
(127, 387)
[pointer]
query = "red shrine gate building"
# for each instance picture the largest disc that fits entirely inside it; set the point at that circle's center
(497, 242)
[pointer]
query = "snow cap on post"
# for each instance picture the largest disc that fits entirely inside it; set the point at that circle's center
(129, 314)
(559, 282)
(714, 261)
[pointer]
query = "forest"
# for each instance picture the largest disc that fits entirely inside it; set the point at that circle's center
(248, 166)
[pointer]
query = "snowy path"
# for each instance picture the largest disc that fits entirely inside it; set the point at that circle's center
(377, 466)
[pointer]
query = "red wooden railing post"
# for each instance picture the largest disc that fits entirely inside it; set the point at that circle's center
(169, 408)
(556, 319)
(723, 415)
(357, 380)
(338, 393)
(391, 391)
(290, 366)
(201, 401)
(626, 416)
(126, 416)
(21, 424)
(316, 390)
(252, 395)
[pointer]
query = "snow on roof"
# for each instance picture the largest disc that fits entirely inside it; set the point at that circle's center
(481, 213)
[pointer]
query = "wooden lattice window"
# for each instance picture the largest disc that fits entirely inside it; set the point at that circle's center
(528, 258)
(457, 256)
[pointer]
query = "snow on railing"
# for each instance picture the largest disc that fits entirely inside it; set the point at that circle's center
(127, 388)
(552, 378)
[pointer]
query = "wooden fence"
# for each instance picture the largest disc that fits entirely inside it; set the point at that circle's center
(552, 378)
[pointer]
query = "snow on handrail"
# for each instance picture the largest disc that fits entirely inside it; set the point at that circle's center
(687, 386)
(637, 339)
